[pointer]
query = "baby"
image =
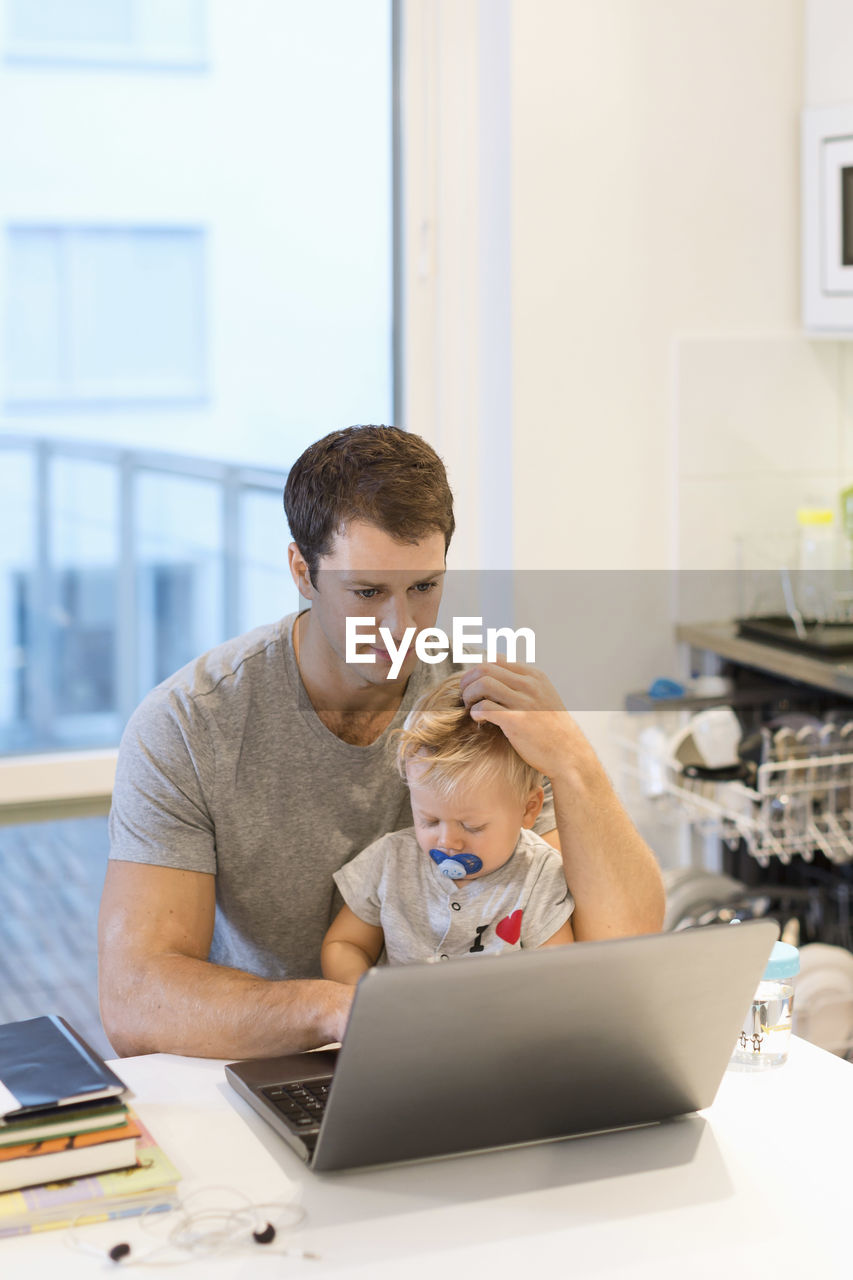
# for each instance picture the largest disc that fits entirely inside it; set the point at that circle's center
(471, 875)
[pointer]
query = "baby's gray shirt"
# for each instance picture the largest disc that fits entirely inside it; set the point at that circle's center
(425, 915)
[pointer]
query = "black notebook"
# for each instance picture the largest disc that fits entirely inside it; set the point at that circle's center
(44, 1064)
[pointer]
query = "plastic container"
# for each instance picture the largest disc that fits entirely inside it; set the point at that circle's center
(816, 557)
(847, 527)
(766, 1033)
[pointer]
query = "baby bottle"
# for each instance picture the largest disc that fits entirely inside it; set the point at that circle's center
(763, 1042)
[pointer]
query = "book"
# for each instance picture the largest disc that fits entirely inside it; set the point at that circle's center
(59, 1121)
(148, 1187)
(44, 1063)
(70, 1156)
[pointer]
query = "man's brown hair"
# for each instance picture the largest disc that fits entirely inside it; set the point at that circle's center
(380, 475)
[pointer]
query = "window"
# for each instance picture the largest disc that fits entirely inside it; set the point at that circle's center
(113, 32)
(197, 281)
(120, 567)
(104, 313)
(196, 276)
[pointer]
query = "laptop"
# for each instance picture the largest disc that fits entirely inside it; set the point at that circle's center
(497, 1051)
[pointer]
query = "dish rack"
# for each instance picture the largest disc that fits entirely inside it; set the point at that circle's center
(791, 808)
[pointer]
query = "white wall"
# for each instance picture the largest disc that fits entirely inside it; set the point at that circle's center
(828, 79)
(663, 398)
(652, 260)
(655, 196)
(764, 420)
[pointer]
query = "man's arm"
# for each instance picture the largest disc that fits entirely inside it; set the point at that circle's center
(611, 871)
(160, 994)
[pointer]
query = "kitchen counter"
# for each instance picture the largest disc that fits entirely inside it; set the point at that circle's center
(721, 638)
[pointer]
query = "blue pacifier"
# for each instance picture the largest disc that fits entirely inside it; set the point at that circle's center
(456, 865)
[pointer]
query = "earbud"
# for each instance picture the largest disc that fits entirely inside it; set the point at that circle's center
(264, 1235)
(203, 1232)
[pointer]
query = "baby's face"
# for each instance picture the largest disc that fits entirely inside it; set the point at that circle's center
(484, 820)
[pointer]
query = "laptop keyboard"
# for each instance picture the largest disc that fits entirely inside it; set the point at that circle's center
(301, 1105)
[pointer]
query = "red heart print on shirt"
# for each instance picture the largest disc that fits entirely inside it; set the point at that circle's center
(509, 929)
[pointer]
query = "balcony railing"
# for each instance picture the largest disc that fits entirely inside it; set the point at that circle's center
(116, 567)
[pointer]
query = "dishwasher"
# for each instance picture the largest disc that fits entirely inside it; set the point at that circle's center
(752, 766)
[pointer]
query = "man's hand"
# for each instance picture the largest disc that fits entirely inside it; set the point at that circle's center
(341, 1007)
(523, 702)
(611, 871)
(160, 994)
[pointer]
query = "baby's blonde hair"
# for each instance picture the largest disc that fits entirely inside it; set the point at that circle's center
(440, 733)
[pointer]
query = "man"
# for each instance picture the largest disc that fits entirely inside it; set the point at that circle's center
(249, 777)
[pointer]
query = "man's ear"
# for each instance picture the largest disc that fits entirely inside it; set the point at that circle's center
(300, 573)
(533, 807)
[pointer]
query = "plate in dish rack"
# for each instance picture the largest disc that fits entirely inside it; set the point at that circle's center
(691, 889)
(823, 997)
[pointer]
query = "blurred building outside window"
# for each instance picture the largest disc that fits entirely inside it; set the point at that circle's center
(104, 314)
(109, 32)
(196, 280)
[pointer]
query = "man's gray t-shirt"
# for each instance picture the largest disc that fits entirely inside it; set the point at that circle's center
(226, 768)
(424, 915)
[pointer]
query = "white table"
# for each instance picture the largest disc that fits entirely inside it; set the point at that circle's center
(759, 1185)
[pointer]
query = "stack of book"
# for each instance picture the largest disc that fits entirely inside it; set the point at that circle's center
(71, 1149)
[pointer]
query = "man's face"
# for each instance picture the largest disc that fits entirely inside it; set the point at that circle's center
(369, 574)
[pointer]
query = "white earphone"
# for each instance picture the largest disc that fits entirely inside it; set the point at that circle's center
(202, 1232)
